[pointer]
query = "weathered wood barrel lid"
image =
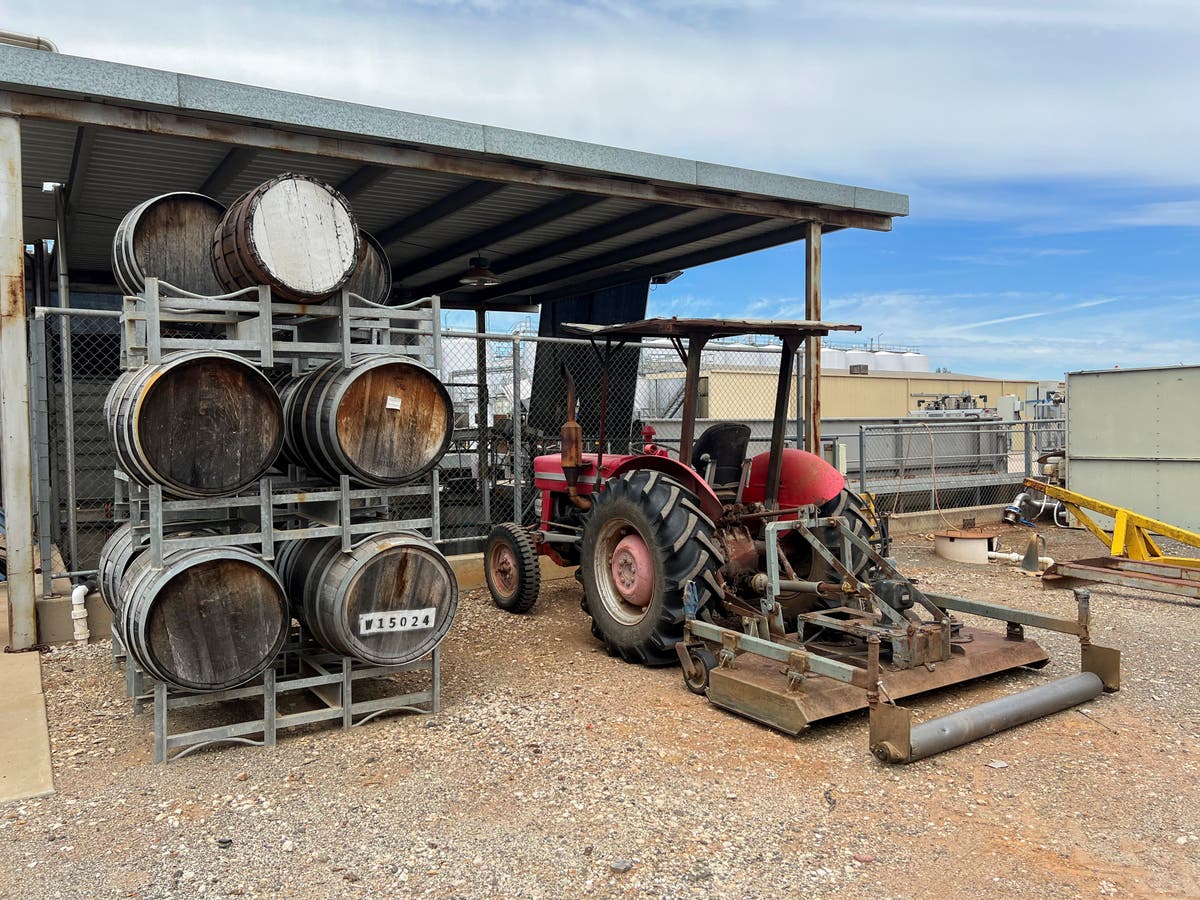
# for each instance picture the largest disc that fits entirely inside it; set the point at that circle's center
(393, 576)
(168, 237)
(385, 420)
(388, 601)
(209, 620)
(292, 232)
(372, 278)
(201, 423)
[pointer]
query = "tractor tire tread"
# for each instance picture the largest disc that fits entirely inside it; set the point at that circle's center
(529, 579)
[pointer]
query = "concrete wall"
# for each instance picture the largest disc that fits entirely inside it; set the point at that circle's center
(1133, 440)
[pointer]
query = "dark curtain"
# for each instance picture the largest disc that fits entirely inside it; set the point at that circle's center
(547, 406)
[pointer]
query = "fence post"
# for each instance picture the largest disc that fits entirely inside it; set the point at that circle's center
(41, 443)
(862, 459)
(435, 477)
(481, 415)
(517, 461)
(1028, 448)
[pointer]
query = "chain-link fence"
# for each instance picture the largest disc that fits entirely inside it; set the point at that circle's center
(511, 414)
(913, 467)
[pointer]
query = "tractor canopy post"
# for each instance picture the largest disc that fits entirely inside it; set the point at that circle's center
(691, 395)
(779, 426)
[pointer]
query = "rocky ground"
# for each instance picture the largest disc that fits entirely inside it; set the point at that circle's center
(557, 771)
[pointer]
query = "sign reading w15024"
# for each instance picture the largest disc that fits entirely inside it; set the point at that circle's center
(400, 620)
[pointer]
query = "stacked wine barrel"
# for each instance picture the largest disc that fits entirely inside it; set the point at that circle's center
(206, 424)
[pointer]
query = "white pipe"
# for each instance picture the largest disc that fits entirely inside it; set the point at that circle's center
(79, 613)
(1043, 561)
(29, 41)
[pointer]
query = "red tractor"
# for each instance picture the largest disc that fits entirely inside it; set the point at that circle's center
(732, 564)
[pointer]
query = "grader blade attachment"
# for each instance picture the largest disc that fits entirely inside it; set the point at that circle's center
(759, 688)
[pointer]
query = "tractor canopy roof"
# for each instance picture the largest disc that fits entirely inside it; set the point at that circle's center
(705, 329)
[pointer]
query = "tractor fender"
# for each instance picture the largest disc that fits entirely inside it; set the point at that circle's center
(805, 479)
(710, 504)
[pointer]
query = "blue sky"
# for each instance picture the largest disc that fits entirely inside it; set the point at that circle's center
(1050, 148)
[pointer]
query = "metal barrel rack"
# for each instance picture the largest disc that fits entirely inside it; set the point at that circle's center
(302, 671)
(283, 507)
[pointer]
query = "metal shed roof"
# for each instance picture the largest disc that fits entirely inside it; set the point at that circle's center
(555, 217)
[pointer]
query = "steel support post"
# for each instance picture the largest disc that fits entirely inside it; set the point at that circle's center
(691, 397)
(812, 345)
(68, 374)
(16, 460)
(518, 462)
(481, 415)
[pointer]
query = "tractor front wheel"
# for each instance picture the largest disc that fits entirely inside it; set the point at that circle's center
(510, 564)
(644, 541)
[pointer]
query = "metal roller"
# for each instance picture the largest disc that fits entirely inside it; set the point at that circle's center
(889, 723)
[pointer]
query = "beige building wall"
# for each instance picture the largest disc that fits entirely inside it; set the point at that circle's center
(749, 392)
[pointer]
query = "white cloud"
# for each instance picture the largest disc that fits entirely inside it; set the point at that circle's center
(1046, 334)
(890, 95)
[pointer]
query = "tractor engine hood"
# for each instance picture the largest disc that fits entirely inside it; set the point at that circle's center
(806, 479)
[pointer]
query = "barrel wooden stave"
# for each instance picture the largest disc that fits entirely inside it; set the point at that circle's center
(372, 278)
(168, 237)
(389, 574)
(383, 421)
(293, 233)
(209, 620)
(201, 423)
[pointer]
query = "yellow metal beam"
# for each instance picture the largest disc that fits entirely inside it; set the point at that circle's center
(1131, 536)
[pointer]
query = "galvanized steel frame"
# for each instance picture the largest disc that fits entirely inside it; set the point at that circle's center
(301, 666)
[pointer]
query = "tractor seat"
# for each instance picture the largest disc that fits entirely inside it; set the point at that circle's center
(725, 446)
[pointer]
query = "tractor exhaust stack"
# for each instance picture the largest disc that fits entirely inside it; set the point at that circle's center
(571, 450)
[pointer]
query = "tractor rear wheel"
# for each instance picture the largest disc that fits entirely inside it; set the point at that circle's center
(510, 564)
(643, 542)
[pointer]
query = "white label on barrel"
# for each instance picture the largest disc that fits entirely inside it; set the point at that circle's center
(400, 620)
(393, 402)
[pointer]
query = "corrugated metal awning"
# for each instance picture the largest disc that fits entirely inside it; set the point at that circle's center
(553, 217)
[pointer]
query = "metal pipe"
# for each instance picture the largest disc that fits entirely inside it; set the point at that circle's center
(68, 371)
(966, 725)
(28, 41)
(16, 461)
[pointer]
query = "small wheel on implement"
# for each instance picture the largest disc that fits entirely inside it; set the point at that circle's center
(510, 564)
(695, 677)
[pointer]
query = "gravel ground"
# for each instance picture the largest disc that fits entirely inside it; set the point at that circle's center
(557, 771)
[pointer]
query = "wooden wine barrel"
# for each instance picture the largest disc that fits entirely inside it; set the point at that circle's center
(201, 423)
(389, 601)
(168, 237)
(372, 278)
(293, 233)
(207, 620)
(120, 550)
(385, 420)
